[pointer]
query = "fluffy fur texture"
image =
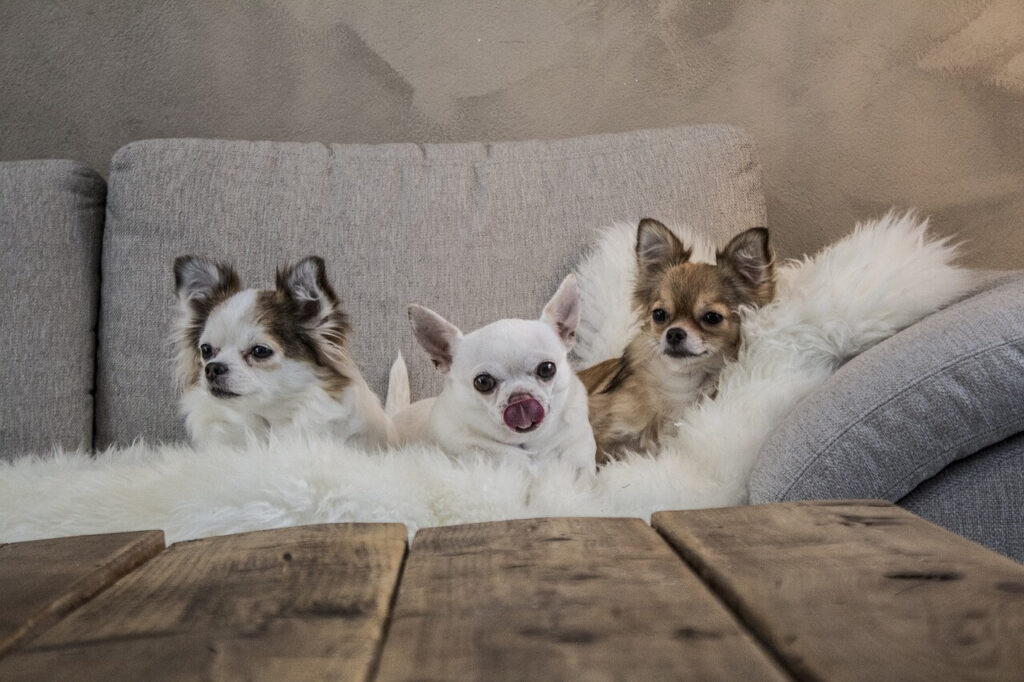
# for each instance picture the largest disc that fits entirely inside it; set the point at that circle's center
(251, 361)
(883, 277)
(689, 317)
(509, 391)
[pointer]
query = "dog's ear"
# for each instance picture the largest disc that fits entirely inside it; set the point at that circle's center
(562, 312)
(749, 257)
(657, 247)
(202, 283)
(308, 298)
(306, 287)
(437, 335)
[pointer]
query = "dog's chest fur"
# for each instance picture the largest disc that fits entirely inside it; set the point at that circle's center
(350, 414)
(634, 404)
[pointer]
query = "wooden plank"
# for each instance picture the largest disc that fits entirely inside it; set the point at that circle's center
(43, 580)
(860, 590)
(560, 599)
(299, 603)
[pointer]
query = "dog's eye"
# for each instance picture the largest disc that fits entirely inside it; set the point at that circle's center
(205, 351)
(546, 370)
(484, 383)
(660, 315)
(260, 352)
(711, 317)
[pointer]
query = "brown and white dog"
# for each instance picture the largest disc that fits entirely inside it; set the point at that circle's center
(690, 327)
(253, 361)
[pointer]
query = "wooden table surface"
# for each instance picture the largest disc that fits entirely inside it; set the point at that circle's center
(851, 590)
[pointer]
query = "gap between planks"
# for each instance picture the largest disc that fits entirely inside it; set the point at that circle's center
(848, 590)
(297, 603)
(560, 598)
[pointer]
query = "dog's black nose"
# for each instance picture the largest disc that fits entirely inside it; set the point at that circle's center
(675, 336)
(215, 369)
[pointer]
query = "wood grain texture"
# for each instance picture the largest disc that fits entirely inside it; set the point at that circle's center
(299, 603)
(860, 590)
(561, 599)
(43, 580)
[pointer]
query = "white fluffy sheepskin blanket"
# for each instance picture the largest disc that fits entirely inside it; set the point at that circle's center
(881, 278)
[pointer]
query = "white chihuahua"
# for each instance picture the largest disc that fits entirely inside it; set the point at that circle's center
(509, 391)
(254, 361)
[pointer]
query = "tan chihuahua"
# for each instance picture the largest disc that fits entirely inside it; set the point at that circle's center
(690, 328)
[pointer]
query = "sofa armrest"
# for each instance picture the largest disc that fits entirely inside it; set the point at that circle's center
(900, 412)
(981, 497)
(51, 223)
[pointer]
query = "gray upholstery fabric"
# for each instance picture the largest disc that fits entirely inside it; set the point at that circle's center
(980, 497)
(902, 411)
(475, 231)
(51, 218)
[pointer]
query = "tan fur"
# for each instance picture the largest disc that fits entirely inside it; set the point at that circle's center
(636, 399)
(630, 398)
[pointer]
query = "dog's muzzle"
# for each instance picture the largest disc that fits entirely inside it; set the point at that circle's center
(524, 413)
(216, 373)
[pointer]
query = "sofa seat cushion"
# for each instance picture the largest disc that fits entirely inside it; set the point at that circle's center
(902, 411)
(51, 220)
(980, 497)
(475, 231)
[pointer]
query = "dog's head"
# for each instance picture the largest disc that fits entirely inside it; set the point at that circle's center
(690, 310)
(507, 378)
(256, 346)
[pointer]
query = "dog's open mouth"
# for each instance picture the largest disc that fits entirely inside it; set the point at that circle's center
(524, 415)
(221, 393)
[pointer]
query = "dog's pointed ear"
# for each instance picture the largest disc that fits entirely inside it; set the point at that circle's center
(437, 335)
(657, 247)
(311, 302)
(202, 282)
(562, 312)
(749, 256)
(305, 285)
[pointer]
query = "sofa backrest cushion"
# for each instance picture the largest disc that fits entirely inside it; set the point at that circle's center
(902, 411)
(51, 218)
(475, 231)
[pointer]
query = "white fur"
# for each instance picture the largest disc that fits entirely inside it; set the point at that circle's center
(399, 394)
(354, 414)
(468, 423)
(883, 277)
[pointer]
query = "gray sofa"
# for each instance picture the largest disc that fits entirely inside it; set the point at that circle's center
(931, 418)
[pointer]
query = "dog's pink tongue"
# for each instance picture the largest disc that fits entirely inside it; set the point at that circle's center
(524, 414)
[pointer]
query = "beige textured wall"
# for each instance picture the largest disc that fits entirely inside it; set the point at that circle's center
(854, 106)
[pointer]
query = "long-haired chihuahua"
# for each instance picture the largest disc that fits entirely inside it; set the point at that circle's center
(690, 327)
(252, 361)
